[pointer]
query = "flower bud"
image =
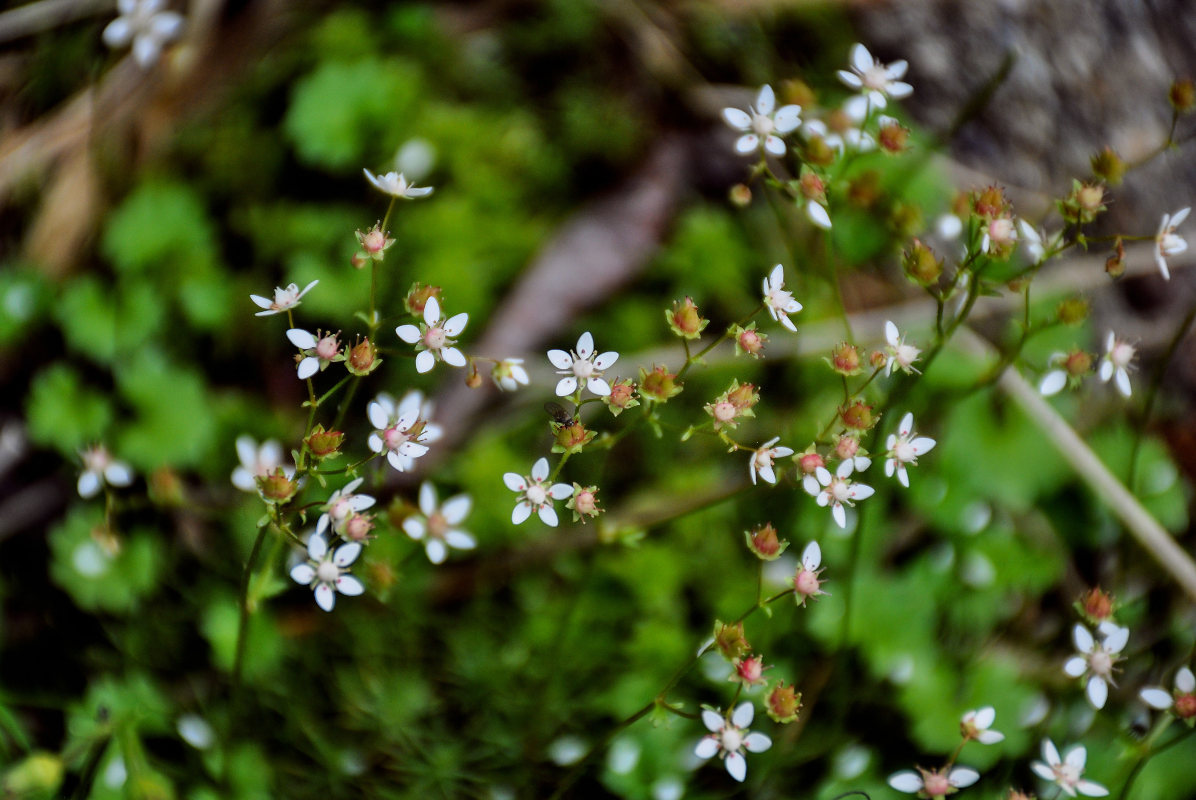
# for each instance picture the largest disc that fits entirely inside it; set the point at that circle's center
(857, 416)
(1077, 364)
(990, 203)
(764, 543)
(324, 444)
(584, 503)
(748, 341)
(621, 397)
(472, 379)
(357, 528)
(748, 671)
(845, 359)
(1115, 264)
(877, 359)
(1072, 311)
(374, 243)
(740, 195)
(812, 187)
(1182, 95)
(417, 297)
(1083, 203)
(277, 487)
(893, 137)
(809, 460)
(363, 358)
(783, 703)
(571, 438)
(684, 319)
(817, 152)
(730, 641)
(359, 260)
(658, 385)
(166, 488)
(920, 265)
(1096, 606)
(848, 447)
(1108, 166)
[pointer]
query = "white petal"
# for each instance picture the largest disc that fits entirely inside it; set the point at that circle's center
(1185, 681)
(899, 89)
(892, 335)
(818, 215)
(743, 714)
(1043, 771)
(1116, 638)
(713, 721)
(707, 747)
(1052, 383)
(585, 345)
(984, 717)
(411, 450)
(460, 540)
(118, 474)
(415, 528)
(1075, 666)
(1049, 753)
(1076, 757)
(514, 481)
(1098, 692)
(378, 415)
(747, 143)
(432, 311)
(346, 554)
(560, 491)
(146, 50)
(1083, 639)
(349, 586)
(757, 742)
(850, 79)
(452, 356)
(606, 360)
(736, 766)
(522, 511)
(566, 386)
(811, 485)
(455, 509)
(408, 333)
(540, 469)
(317, 546)
(1106, 371)
(736, 118)
(374, 441)
(560, 359)
(246, 450)
(906, 781)
(89, 484)
(1123, 383)
(456, 324)
(303, 573)
(860, 59)
(166, 25)
(990, 737)
(766, 101)
(548, 516)
(839, 515)
(1091, 788)
(766, 474)
(308, 367)
(301, 338)
(325, 597)
(811, 557)
(424, 361)
(599, 387)
(1156, 698)
(774, 145)
(119, 33)
(436, 551)
(961, 777)
(1180, 216)
(860, 491)
(787, 119)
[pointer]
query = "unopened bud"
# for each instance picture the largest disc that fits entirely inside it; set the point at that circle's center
(764, 543)
(818, 152)
(1096, 606)
(1072, 310)
(740, 195)
(684, 319)
(658, 385)
(845, 359)
(748, 671)
(990, 203)
(357, 528)
(783, 703)
(324, 444)
(893, 137)
(1115, 264)
(748, 340)
(363, 358)
(417, 297)
(846, 447)
(809, 461)
(730, 641)
(621, 397)
(472, 379)
(857, 416)
(812, 187)
(584, 503)
(572, 438)
(1083, 203)
(1108, 166)
(277, 487)
(1183, 95)
(920, 265)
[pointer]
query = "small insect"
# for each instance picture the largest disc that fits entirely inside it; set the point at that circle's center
(558, 413)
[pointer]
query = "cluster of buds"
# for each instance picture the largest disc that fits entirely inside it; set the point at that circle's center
(735, 403)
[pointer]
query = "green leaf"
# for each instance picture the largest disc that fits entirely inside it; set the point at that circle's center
(175, 422)
(24, 298)
(105, 572)
(63, 413)
(162, 226)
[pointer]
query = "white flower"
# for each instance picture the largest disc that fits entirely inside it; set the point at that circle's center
(99, 468)
(436, 525)
(257, 462)
(143, 23)
(762, 125)
(582, 366)
(836, 490)
(901, 355)
(327, 572)
(1097, 660)
(780, 303)
(1167, 242)
(875, 80)
(1053, 382)
(761, 460)
(317, 353)
(341, 506)
(436, 337)
(396, 433)
(1117, 360)
(1183, 698)
(1000, 234)
(806, 583)
(509, 374)
(978, 725)
(904, 447)
(729, 739)
(948, 227)
(933, 783)
(535, 494)
(395, 185)
(1067, 771)
(284, 299)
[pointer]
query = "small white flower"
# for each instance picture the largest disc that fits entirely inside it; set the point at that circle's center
(99, 468)
(1000, 235)
(904, 447)
(582, 366)
(901, 355)
(761, 126)
(1053, 382)
(395, 185)
(435, 339)
(1096, 660)
(436, 525)
(397, 433)
(1117, 360)
(1066, 771)
(948, 227)
(780, 303)
(327, 572)
(728, 739)
(1167, 242)
(509, 374)
(284, 299)
(318, 352)
(1183, 697)
(875, 80)
(806, 581)
(761, 460)
(535, 494)
(341, 506)
(257, 462)
(836, 490)
(933, 783)
(978, 725)
(143, 23)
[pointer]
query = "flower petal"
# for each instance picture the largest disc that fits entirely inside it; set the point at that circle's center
(548, 516)
(766, 100)
(707, 747)
(303, 573)
(713, 721)
(757, 742)
(906, 781)
(1185, 681)
(346, 554)
(456, 324)
(431, 311)
(460, 540)
(743, 715)
(456, 509)
(1156, 698)
(325, 597)
(424, 361)
(736, 118)
(436, 551)
(811, 557)
(540, 469)
(747, 143)
(736, 766)
(566, 386)
(408, 333)
(1098, 691)
(317, 546)
(521, 513)
(349, 586)
(961, 777)
(560, 359)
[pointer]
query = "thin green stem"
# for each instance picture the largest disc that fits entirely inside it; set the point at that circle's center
(243, 623)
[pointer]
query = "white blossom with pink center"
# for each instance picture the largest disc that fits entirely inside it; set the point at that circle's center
(1067, 771)
(875, 80)
(780, 303)
(806, 581)
(317, 351)
(1117, 362)
(536, 494)
(933, 783)
(762, 458)
(764, 124)
(900, 355)
(978, 725)
(1097, 659)
(144, 24)
(436, 338)
(1182, 698)
(582, 366)
(395, 185)
(257, 461)
(100, 468)
(437, 524)
(399, 430)
(1167, 242)
(728, 739)
(283, 300)
(836, 490)
(904, 447)
(341, 506)
(327, 572)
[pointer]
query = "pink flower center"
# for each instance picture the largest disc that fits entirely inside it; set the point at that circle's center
(340, 509)
(585, 503)
(437, 525)
(875, 78)
(806, 583)
(840, 490)
(724, 411)
(903, 451)
(328, 572)
(327, 348)
(1122, 354)
(435, 337)
(935, 784)
(1101, 662)
(373, 241)
(763, 458)
(358, 528)
(394, 438)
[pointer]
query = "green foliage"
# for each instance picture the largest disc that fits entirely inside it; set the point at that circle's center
(161, 394)
(103, 570)
(163, 228)
(63, 413)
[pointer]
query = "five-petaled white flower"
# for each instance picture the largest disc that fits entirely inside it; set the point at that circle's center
(836, 490)
(780, 303)
(904, 447)
(1066, 771)
(327, 572)
(582, 366)
(1033, 240)
(435, 339)
(317, 353)
(436, 525)
(398, 429)
(762, 125)
(509, 374)
(395, 185)
(341, 506)
(257, 462)
(1096, 660)
(1117, 360)
(875, 80)
(761, 460)
(146, 25)
(535, 494)
(1182, 698)
(99, 468)
(284, 299)
(728, 739)
(1167, 242)
(901, 355)
(806, 581)
(933, 783)
(978, 725)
